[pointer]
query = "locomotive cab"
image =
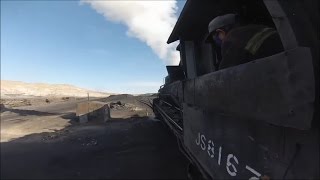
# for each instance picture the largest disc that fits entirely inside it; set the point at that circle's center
(257, 119)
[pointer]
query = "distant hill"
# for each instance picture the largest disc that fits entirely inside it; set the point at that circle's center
(18, 88)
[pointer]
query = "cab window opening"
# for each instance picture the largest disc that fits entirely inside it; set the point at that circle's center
(251, 35)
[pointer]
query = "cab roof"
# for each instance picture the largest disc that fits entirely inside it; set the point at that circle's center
(195, 16)
(194, 19)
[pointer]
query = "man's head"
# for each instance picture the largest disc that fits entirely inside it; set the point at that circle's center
(219, 27)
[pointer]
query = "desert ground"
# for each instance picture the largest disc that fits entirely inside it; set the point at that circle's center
(42, 138)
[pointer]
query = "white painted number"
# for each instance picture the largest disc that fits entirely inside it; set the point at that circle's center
(210, 149)
(232, 160)
(254, 172)
(234, 172)
(203, 140)
(219, 159)
(198, 140)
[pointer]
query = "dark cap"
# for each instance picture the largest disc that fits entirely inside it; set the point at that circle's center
(219, 22)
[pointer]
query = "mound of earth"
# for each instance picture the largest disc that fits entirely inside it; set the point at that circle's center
(18, 88)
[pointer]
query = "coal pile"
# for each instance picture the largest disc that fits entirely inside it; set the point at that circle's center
(123, 106)
(2, 108)
(116, 105)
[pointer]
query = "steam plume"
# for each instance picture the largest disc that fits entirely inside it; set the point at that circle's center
(149, 21)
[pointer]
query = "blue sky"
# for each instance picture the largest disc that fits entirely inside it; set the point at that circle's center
(69, 42)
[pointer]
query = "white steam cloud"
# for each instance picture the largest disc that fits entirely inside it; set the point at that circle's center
(149, 21)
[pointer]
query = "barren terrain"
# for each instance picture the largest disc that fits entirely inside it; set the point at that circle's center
(41, 139)
(13, 89)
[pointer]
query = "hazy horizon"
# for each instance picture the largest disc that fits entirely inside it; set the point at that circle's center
(117, 47)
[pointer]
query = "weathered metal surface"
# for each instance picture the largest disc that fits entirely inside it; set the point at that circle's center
(169, 88)
(277, 89)
(232, 148)
(189, 49)
(282, 23)
(93, 110)
(175, 72)
(174, 91)
(261, 117)
(203, 65)
(180, 92)
(188, 91)
(304, 18)
(177, 130)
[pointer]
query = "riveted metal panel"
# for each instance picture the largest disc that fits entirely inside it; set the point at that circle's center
(188, 91)
(225, 148)
(278, 89)
(254, 148)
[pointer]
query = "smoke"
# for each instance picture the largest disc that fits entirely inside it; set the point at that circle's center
(149, 21)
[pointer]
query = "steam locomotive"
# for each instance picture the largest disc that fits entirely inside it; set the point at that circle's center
(258, 120)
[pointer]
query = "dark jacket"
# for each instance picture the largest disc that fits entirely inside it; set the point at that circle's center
(247, 43)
